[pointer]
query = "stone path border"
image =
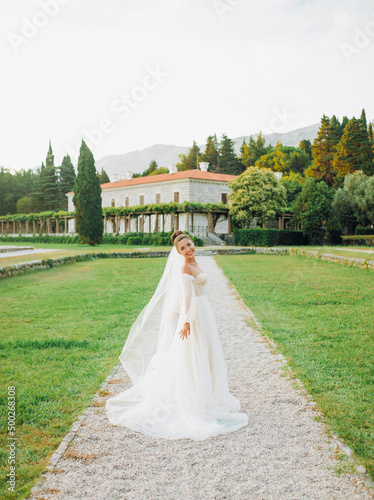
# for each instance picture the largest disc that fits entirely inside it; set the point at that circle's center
(283, 453)
(15, 269)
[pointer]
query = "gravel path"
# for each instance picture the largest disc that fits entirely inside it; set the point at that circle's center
(283, 453)
(353, 250)
(18, 253)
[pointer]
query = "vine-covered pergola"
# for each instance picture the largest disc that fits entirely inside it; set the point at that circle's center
(52, 221)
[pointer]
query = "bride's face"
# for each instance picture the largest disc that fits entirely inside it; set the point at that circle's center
(186, 248)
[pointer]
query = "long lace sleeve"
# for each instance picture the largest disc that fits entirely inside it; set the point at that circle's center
(188, 299)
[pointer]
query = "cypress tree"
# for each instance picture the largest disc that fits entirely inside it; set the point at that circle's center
(363, 120)
(87, 199)
(354, 151)
(49, 182)
(50, 160)
(66, 180)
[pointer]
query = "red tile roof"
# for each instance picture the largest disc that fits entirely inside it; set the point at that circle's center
(184, 174)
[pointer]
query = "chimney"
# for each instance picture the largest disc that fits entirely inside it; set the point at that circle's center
(113, 178)
(204, 166)
(173, 169)
(128, 175)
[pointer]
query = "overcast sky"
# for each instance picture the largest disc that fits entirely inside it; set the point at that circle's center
(127, 74)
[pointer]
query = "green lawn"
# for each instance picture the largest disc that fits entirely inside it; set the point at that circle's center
(321, 316)
(61, 332)
(346, 253)
(70, 249)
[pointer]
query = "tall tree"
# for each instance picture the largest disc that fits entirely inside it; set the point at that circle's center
(370, 132)
(38, 192)
(152, 167)
(277, 160)
(253, 151)
(345, 120)
(323, 150)
(363, 120)
(229, 163)
(353, 151)
(306, 146)
(7, 198)
(66, 181)
(87, 199)
(335, 124)
(104, 177)
(49, 182)
(191, 160)
(211, 154)
(50, 159)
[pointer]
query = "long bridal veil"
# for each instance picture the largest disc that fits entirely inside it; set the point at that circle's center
(152, 332)
(180, 387)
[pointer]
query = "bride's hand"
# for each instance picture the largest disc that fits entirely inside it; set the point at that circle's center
(185, 331)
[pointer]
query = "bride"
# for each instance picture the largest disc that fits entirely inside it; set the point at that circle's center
(173, 356)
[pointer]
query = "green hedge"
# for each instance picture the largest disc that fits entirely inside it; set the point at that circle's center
(156, 239)
(364, 230)
(268, 237)
(358, 240)
(41, 238)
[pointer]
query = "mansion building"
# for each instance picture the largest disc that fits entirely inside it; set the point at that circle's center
(188, 185)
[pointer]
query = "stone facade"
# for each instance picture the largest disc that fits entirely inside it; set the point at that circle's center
(190, 185)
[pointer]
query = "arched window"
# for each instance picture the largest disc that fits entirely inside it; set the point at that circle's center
(127, 203)
(113, 202)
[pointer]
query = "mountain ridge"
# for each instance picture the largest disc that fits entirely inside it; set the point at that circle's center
(168, 154)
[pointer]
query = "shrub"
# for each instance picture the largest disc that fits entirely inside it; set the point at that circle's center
(364, 230)
(268, 237)
(157, 239)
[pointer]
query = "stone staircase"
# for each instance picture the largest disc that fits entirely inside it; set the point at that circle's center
(211, 239)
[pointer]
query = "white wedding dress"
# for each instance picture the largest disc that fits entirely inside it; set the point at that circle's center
(184, 391)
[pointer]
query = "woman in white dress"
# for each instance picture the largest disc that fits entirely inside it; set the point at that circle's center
(175, 360)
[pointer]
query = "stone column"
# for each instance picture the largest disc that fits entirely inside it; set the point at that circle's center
(172, 221)
(229, 221)
(57, 225)
(210, 223)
